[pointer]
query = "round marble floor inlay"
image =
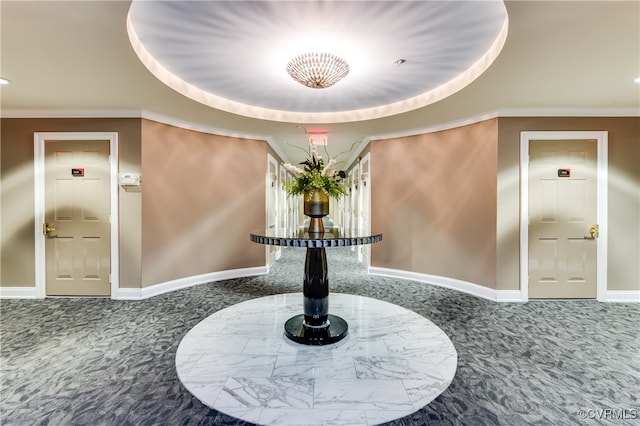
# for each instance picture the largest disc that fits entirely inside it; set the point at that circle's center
(392, 363)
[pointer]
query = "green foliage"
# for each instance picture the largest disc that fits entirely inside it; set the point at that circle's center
(313, 180)
(315, 176)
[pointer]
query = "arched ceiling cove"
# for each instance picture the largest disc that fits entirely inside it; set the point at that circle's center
(233, 55)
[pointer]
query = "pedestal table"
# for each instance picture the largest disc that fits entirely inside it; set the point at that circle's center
(315, 326)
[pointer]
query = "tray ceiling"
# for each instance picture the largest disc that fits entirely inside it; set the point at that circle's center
(232, 55)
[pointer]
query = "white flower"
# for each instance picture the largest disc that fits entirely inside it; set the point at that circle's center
(327, 170)
(296, 171)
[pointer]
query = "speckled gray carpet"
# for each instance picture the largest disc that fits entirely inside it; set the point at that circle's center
(106, 362)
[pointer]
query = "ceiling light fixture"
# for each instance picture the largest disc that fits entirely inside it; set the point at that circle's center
(4, 80)
(317, 70)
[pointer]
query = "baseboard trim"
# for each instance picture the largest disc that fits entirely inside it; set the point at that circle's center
(503, 296)
(18, 293)
(623, 296)
(154, 290)
(128, 294)
(509, 296)
(450, 283)
(178, 284)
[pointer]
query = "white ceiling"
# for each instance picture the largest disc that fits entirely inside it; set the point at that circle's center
(76, 59)
(233, 54)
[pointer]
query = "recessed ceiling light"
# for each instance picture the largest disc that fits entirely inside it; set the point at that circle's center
(637, 80)
(4, 81)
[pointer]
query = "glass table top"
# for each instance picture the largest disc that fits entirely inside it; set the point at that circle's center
(332, 237)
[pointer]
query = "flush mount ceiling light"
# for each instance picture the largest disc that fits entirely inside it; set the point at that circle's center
(317, 70)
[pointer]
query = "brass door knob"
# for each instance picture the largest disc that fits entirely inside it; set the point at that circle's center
(47, 229)
(594, 232)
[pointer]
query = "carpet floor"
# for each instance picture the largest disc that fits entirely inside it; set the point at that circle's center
(68, 361)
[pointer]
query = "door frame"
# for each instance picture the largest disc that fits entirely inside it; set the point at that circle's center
(364, 207)
(601, 199)
(39, 139)
(354, 206)
(282, 196)
(271, 207)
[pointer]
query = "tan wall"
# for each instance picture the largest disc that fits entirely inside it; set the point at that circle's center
(17, 260)
(202, 195)
(448, 203)
(434, 200)
(623, 270)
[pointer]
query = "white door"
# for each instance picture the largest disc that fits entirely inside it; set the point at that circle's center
(365, 206)
(563, 219)
(355, 196)
(77, 218)
(272, 205)
(282, 196)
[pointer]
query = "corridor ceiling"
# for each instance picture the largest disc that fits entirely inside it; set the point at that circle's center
(218, 66)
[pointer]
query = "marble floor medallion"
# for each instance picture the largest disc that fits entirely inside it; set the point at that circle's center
(392, 363)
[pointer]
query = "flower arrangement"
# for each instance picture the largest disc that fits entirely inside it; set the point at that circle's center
(316, 176)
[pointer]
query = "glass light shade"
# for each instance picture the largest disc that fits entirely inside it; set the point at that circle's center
(317, 70)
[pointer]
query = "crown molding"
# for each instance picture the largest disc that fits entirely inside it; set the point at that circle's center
(518, 112)
(151, 115)
(139, 113)
(509, 112)
(71, 113)
(569, 112)
(160, 118)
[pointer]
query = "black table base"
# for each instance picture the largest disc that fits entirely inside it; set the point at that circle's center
(316, 326)
(332, 332)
